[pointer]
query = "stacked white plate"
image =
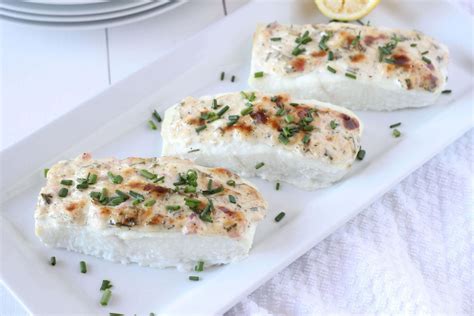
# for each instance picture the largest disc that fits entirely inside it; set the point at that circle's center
(83, 14)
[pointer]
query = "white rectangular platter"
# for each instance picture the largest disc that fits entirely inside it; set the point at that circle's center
(114, 124)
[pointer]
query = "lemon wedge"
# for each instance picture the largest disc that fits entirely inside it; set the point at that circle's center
(346, 10)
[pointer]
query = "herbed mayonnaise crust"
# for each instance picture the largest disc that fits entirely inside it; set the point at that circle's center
(312, 129)
(411, 59)
(149, 194)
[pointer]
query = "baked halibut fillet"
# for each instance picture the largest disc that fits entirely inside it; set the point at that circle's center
(158, 212)
(307, 143)
(359, 67)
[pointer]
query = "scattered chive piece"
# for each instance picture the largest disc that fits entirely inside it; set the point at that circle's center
(331, 69)
(63, 192)
(105, 297)
(199, 267)
(322, 42)
(389, 60)
(47, 198)
(413, 45)
(396, 133)
(280, 112)
(157, 116)
(201, 128)
(247, 110)
(330, 55)
(45, 172)
(333, 124)
(277, 186)
(232, 79)
(294, 104)
(232, 199)
(193, 278)
(147, 174)
(223, 110)
(83, 266)
(214, 104)
(298, 50)
(105, 285)
(259, 165)
(117, 314)
(360, 22)
(222, 75)
(231, 183)
(306, 139)
(213, 191)
(289, 118)
(395, 125)
(52, 261)
(425, 52)
(361, 154)
(446, 91)
(172, 208)
(258, 74)
(160, 179)
(152, 314)
(193, 150)
(152, 125)
(66, 182)
(426, 60)
(275, 39)
(117, 179)
(350, 75)
(91, 179)
(279, 216)
(150, 203)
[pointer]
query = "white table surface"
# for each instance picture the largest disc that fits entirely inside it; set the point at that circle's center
(46, 72)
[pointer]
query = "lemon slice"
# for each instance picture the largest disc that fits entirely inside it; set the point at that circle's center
(346, 10)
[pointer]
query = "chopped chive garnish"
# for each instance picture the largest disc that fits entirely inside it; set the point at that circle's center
(201, 128)
(408, 82)
(193, 278)
(67, 182)
(123, 195)
(413, 45)
(396, 133)
(82, 184)
(91, 178)
(147, 174)
(45, 172)
(246, 111)
(330, 55)
(331, 69)
(356, 40)
(289, 118)
(425, 52)
(205, 215)
(426, 60)
(116, 201)
(294, 104)
(137, 196)
(360, 22)
(280, 112)
(152, 314)
(214, 105)
(333, 124)
(446, 91)
(231, 183)
(298, 50)
(306, 139)
(222, 75)
(390, 61)
(213, 191)
(233, 119)
(232, 199)
(258, 74)
(157, 116)
(395, 125)
(47, 198)
(223, 110)
(105, 297)
(117, 179)
(117, 314)
(277, 186)
(275, 39)
(192, 203)
(279, 216)
(83, 266)
(361, 154)
(199, 267)
(160, 179)
(190, 189)
(172, 208)
(259, 165)
(149, 203)
(323, 42)
(63, 192)
(152, 125)
(350, 75)
(52, 261)
(232, 79)
(193, 150)
(105, 285)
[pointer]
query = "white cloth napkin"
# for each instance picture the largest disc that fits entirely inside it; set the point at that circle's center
(409, 253)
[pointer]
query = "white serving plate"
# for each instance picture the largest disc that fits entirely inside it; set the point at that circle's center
(50, 18)
(114, 124)
(153, 9)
